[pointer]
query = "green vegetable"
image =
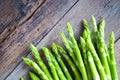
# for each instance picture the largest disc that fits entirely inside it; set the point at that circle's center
(77, 52)
(59, 59)
(101, 47)
(36, 68)
(88, 59)
(40, 61)
(68, 44)
(33, 76)
(91, 48)
(72, 65)
(96, 59)
(92, 66)
(113, 69)
(101, 50)
(58, 69)
(82, 46)
(52, 66)
(22, 78)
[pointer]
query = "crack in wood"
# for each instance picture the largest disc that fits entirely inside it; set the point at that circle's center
(31, 14)
(8, 30)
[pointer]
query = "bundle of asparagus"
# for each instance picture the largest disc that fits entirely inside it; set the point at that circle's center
(89, 59)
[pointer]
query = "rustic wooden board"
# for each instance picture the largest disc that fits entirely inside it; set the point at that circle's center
(117, 56)
(83, 9)
(16, 44)
(14, 13)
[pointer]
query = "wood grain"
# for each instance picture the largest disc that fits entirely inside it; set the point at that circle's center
(83, 9)
(14, 13)
(117, 56)
(16, 44)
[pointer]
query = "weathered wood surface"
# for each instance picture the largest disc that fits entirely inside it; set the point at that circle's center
(14, 13)
(117, 56)
(16, 44)
(107, 9)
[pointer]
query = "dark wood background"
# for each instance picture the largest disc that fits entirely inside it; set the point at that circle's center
(41, 21)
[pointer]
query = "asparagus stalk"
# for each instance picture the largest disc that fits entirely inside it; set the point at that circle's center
(68, 45)
(22, 78)
(36, 68)
(84, 35)
(96, 59)
(82, 46)
(92, 66)
(91, 48)
(87, 30)
(77, 52)
(96, 33)
(52, 67)
(40, 61)
(101, 28)
(113, 69)
(101, 49)
(72, 65)
(58, 69)
(33, 76)
(59, 59)
(94, 25)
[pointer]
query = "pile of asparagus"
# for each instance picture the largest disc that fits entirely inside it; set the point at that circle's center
(88, 59)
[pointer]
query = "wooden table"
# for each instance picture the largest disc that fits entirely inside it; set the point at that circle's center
(41, 21)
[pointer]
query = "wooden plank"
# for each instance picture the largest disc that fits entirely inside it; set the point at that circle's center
(83, 9)
(15, 46)
(117, 56)
(15, 12)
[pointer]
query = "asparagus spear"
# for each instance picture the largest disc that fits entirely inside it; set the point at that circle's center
(58, 69)
(101, 28)
(36, 68)
(82, 46)
(22, 78)
(84, 35)
(101, 50)
(87, 30)
(96, 33)
(40, 61)
(68, 45)
(113, 69)
(91, 48)
(55, 50)
(33, 76)
(96, 59)
(77, 52)
(92, 66)
(72, 65)
(52, 67)
(94, 25)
